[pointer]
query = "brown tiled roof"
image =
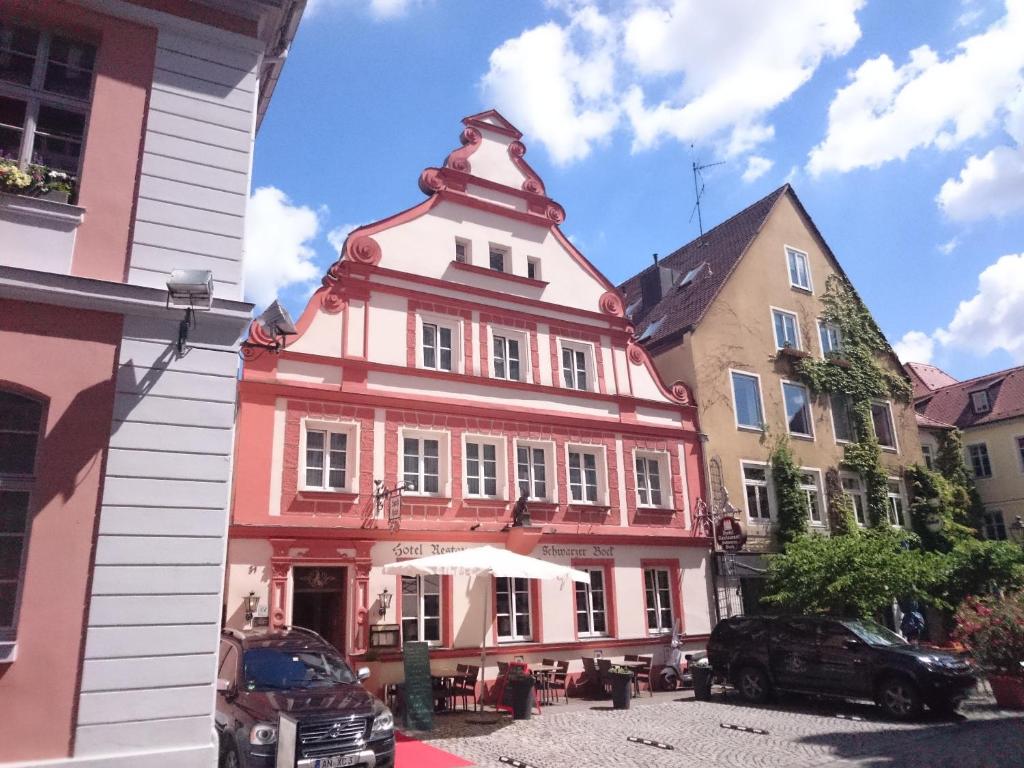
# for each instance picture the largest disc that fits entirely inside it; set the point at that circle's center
(927, 378)
(721, 249)
(952, 404)
(926, 422)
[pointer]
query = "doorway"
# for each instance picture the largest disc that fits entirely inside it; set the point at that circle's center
(318, 603)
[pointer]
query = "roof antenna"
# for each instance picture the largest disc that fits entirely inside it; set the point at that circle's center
(698, 188)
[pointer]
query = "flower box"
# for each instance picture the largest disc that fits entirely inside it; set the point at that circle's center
(1008, 691)
(792, 353)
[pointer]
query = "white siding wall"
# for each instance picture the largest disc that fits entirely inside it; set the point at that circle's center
(152, 636)
(196, 161)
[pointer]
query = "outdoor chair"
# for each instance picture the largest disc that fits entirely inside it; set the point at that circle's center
(604, 668)
(591, 679)
(464, 685)
(560, 680)
(643, 675)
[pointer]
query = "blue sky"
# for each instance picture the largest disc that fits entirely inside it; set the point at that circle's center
(900, 125)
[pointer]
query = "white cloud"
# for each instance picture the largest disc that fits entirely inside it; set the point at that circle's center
(336, 237)
(887, 111)
(278, 249)
(990, 321)
(674, 69)
(380, 9)
(992, 185)
(915, 347)
(756, 168)
(949, 246)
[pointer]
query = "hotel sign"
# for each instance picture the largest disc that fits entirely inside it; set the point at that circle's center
(404, 549)
(591, 550)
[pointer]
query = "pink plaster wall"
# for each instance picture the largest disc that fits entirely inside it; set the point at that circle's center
(67, 357)
(113, 144)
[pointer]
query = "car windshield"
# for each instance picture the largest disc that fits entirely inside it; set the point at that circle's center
(873, 633)
(272, 668)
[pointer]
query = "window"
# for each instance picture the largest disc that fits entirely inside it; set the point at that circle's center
(854, 488)
(574, 367)
(531, 469)
(978, 453)
(755, 486)
(787, 330)
(481, 469)
(533, 268)
(506, 358)
(658, 593)
(422, 464)
(746, 393)
(993, 526)
(583, 476)
(842, 418)
(326, 459)
(831, 341)
(462, 251)
(809, 484)
(437, 347)
(648, 481)
(421, 609)
(881, 420)
(979, 402)
(895, 506)
(799, 269)
(926, 453)
(798, 409)
(512, 609)
(498, 257)
(20, 426)
(1020, 452)
(45, 87)
(591, 613)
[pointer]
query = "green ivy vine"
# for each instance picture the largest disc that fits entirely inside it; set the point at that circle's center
(792, 501)
(857, 373)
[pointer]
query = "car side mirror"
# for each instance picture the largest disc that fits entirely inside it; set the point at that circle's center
(363, 673)
(226, 687)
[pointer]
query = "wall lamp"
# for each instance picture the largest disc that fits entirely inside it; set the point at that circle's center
(251, 603)
(384, 601)
(271, 330)
(191, 289)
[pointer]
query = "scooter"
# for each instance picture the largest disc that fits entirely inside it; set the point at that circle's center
(676, 669)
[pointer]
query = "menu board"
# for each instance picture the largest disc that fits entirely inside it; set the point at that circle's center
(419, 694)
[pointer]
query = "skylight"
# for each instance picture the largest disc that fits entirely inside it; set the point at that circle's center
(651, 329)
(632, 308)
(692, 275)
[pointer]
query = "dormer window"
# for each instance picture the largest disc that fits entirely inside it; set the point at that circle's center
(533, 268)
(979, 402)
(462, 251)
(799, 269)
(498, 258)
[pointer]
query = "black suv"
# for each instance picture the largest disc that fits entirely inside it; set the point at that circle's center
(264, 675)
(856, 659)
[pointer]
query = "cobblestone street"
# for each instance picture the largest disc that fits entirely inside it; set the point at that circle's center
(800, 732)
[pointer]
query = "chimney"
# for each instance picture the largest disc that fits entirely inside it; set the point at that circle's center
(655, 284)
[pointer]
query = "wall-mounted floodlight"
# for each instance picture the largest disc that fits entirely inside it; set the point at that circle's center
(192, 289)
(274, 324)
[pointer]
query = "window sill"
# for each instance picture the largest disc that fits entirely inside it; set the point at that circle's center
(745, 428)
(473, 269)
(48, 209)
(485, 500)
(327, 492)
(516, 641)
(887, 449)
(651, 508)
(801, 289)
(808, 438)
(425, 497)
(792, 353)
(583, 505)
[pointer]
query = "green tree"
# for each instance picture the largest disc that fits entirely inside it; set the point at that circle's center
(791, 501)
(949, 462)
(850, 575)
(933, 497)
(975, 567)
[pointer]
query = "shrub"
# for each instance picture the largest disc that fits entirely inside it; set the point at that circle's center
(992, 629)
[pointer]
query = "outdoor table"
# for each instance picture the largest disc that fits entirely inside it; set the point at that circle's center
(443, 675)
(634, 667)
(543, 674)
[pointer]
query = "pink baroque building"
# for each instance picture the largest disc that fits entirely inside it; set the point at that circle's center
(466, 350)
(126, 133)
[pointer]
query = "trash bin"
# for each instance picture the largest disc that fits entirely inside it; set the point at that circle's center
(521, 690)
(622, 689)
(702, 676)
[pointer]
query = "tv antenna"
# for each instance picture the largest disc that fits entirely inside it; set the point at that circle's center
(698, 188)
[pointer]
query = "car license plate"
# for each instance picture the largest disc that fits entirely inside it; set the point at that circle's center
(338, 761)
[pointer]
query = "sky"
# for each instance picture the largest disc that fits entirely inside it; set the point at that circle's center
(899, 124)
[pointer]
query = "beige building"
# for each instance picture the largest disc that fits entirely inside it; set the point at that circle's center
(732, 312)
(989, 411)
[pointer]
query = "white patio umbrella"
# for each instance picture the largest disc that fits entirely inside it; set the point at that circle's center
(486, 561)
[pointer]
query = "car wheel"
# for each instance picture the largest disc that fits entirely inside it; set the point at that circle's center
(753, 684)
(899, 698)
(669, 680)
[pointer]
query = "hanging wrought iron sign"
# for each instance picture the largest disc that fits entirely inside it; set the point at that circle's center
(729, 534)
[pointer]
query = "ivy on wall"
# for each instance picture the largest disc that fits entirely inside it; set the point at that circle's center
(841, 517)
(856, 373)
(790, 498)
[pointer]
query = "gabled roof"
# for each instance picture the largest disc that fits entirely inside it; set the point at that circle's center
(926, 422)
(951, 404)
(721, 248)
(927, 378)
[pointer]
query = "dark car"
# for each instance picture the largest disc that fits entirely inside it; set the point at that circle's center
(290, 689)
(848, 658)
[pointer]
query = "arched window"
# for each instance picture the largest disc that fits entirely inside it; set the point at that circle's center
(20, 426)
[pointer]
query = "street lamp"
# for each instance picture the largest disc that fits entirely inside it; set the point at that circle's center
(1017, 530)
(251, 603)
(384, 601)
